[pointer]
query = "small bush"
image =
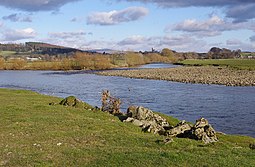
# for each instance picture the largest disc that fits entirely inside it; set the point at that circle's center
(110, 104)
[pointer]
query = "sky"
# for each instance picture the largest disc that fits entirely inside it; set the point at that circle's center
(134, 25)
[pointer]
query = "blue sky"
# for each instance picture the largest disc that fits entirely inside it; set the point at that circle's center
(194, 25)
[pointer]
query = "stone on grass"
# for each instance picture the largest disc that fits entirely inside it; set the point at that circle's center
(204, 131)
(74, 102)
(182, 129)
(145, 118)
(252, 146)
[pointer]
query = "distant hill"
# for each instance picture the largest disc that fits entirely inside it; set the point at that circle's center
(45, 48)
(37, 48)
(106, 51)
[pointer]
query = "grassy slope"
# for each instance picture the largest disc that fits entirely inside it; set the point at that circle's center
(234, 63)
(33, 133)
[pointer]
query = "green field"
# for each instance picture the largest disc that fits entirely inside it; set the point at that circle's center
(7, 53)
(243, 64)
(33, 133)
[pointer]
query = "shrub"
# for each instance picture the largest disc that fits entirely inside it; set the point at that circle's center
(1, 63)
(110, 104)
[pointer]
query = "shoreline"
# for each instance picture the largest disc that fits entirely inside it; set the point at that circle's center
(202, 75)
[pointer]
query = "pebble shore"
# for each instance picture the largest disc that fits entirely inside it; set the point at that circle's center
(204, 75)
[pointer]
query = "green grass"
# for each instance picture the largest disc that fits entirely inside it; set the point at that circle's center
(7, 53)
(247, 54)
(243, 64)
(34, 133)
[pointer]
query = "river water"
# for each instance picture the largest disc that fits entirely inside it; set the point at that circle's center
(229, 109)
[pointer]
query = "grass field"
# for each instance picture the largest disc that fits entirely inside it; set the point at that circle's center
(244, 64)
(7, 53)
(34, 133)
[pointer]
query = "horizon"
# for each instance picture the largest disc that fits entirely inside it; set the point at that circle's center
(131, 25)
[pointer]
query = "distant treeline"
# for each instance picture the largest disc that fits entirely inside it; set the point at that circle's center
(82, 60)
(43, 56)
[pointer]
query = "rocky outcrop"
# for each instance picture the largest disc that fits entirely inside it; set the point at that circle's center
(154, 123)
(74, 102)
(202, 130)
(147, 120)
(182, 129)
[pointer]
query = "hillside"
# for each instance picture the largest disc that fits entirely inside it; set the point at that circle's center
(34, 48)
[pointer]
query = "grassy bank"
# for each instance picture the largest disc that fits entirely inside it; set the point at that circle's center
(243, 64)
(34, 133)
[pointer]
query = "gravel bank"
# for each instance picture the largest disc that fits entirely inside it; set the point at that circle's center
(204, 75)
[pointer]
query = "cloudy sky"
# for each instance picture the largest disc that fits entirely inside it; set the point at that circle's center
(194, 25)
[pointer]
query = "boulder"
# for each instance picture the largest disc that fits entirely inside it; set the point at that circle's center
(182, 129)
(147, 119)
(74, 102)
(252, 146)
(202, 130)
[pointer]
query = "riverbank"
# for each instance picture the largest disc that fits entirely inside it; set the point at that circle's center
(33, 133)
(239, 64)
(205, 75)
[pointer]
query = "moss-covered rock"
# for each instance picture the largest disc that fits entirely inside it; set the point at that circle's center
(74, 102)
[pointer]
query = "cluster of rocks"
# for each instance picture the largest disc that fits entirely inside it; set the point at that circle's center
(202, 130)
(204, 75)
(152, 122)
(147, 120)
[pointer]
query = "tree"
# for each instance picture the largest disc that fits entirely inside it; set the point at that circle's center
(1, 63)
(169, 54)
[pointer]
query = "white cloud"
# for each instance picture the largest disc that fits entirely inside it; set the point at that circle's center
(67, 35)
(133, 40)
(18, 17)
(235, 44)
(35, 5)
(242, 13)
(116, 17)
(74, 39)
(179, 43)
(239, 10)
(11, 35)
(252, 38)
(212, 27)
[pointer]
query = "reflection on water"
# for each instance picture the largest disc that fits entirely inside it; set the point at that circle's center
(228, 109)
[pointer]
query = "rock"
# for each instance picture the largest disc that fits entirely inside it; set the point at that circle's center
(204, 131)
(252, 146)
(52, 103)
(138, 123)
(200, 123)
(168, 140)
(149, 121)
(182, 129)
(152, 122)
(74, 102)
(129, 119)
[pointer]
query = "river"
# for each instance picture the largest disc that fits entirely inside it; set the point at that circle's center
(229, 109)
